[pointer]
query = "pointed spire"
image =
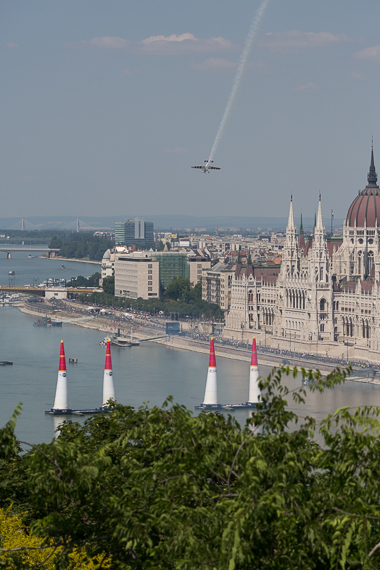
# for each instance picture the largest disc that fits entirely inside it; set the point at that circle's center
(319, 221)
(301, 238)
(291, 224)
(372, 176)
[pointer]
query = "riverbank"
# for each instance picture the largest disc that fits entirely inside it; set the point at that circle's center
(71, 259)
(143, 332)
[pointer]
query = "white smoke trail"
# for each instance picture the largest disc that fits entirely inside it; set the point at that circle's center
(239, 74)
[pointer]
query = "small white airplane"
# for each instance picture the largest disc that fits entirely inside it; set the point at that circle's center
(207, 167)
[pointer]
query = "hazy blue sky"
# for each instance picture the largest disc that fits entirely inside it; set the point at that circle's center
(106, 105)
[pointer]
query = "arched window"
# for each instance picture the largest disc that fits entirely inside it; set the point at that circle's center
(322, 327)
(370, 262)
(322, 305)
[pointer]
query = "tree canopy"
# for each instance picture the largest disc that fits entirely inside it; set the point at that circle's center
(157, 488)
(81, 245)
(180, 289)
(80, 281)
(180, 297)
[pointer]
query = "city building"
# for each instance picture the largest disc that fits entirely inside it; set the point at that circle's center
(134, 232)
(325, 296)
(136, 275)
(107, 268)
(216, 285)
(188, 264)
(198, 261)
(172, 265)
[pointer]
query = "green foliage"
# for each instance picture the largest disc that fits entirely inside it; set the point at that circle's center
(189, 305)
(158, 489)
(81, 245)
(109, 285)
(179, 289)
(80, 281)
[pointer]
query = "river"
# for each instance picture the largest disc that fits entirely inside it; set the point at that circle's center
(146, 373)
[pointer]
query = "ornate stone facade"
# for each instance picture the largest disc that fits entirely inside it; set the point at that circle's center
(325, 298)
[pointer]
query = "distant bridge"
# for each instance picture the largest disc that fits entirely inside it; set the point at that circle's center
(40, 291)
(10, 250)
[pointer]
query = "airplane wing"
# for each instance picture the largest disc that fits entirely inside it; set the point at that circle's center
(213, 168)
(197, 167)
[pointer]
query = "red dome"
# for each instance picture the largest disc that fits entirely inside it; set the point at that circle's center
(365, 209)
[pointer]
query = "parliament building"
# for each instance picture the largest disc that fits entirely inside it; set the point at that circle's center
(325, 297)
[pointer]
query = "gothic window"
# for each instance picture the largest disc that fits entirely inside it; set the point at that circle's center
(366, 329)
(322, 327)
(370, 262)
(322, 305)
(321, 274)
(359, 262)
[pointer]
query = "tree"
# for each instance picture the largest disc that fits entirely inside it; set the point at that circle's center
(158, 488)
(109, 285)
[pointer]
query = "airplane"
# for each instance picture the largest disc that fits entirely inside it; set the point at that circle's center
(207, 167)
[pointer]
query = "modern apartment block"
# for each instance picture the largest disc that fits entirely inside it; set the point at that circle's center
(217, 283)
(136, 275)
(175, 264)
(134, 232)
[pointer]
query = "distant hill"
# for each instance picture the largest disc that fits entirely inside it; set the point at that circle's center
(163, 222)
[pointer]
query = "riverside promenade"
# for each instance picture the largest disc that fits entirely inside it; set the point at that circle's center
(144, 328)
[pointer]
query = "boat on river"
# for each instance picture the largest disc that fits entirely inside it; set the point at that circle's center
(47, 322)
(117, 340)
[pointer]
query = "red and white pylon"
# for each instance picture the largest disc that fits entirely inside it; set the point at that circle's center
(254, 391)
(211, 392)
(108, 387)
(60, 402)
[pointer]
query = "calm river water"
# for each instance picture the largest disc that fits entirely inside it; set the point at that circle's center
(146, 373)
